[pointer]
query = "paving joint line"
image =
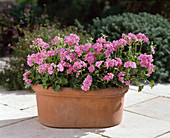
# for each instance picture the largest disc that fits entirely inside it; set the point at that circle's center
(18, 122)
(143, 101)
(144, 115)
(162, 134)
(22, 109)
(102, 135)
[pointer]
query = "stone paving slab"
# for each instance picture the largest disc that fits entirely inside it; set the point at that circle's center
(31, 128)
(135, 126)
(158, 108)
(158, 89)
(32, 111)
(10, 115)
(139, 120)
(133, 97)
(17, 99)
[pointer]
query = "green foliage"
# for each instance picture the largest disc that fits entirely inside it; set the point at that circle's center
(155, 27)
(18, 62)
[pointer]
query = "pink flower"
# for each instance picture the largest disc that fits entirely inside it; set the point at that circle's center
(142, 37)
(115, 45)
(43, 45)
(127, 83)
(122, 42)
(77, 74)
(31, 46)
(119, 61)
(78, 65)
(152, 49)
(123, 35)
(97, 47)
(150, 69)
(130, 64)
(110, 63)
(78, 49)
(50, 53)
(145, 60)
(71, 57)
(87, 47)
(7, 80)
(101, 40)
(43, 68)
(50, 69)
(132, 36)
(72, 39)
(98, 64)
(121, 78)
(69, 71)
(109, 49)
(56, 40)
(91, 68)
(108, 77)
(28, 81)
(85, 88)
(87, 83)
(60, 67)
(37, 41)
(90, 57)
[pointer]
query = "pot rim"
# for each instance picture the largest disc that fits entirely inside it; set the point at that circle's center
(69, 92)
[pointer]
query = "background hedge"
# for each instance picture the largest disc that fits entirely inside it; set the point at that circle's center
(155, 27)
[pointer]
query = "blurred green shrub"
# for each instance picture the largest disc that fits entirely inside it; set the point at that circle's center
(155, 27)
(84, 11)
(24, 16)
(12, 76)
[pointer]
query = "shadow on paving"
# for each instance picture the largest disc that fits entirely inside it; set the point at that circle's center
(30, 127)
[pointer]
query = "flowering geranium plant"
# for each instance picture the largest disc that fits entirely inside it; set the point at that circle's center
(66, 63)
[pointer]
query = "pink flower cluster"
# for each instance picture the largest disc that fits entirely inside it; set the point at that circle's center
(130, 64)
(72, 39)
(88, 57)
(146, 61)
(98, 64)
(37, 58)
(56, 40)
(40, 43)
(28, 81)
(130, 37)
(87, 83)
(112, 62)
(44, 67)
(108, 77)
(91, 68)
(121, 77)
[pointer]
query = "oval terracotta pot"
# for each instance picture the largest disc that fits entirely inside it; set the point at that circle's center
(72, 108)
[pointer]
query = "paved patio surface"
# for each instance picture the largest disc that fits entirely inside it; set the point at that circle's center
(146, 115)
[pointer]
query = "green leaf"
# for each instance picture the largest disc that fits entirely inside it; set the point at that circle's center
(152, 83)
(103, 86)
(27, 85)
(140, 88)
(56, 88)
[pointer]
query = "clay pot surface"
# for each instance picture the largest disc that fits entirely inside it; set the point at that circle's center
(72, 108)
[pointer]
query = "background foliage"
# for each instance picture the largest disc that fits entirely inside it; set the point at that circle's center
(23, 16)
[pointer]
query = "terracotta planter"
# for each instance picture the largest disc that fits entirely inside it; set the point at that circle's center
(71, 108)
